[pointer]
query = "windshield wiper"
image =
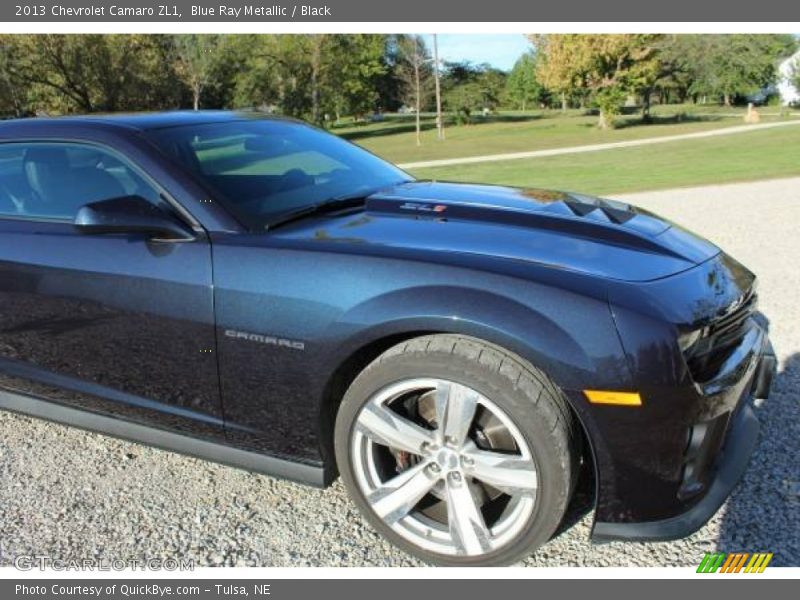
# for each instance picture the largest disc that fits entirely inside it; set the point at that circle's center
(327, 206)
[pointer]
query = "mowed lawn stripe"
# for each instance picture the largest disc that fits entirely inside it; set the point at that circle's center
(756, 154)
(593, 147)
(393, 139)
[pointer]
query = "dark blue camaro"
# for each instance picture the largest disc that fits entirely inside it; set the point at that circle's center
(260, 293)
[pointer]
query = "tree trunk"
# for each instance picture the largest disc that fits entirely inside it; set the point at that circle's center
(14, 95)
(437, 82)
(196, 95)
(316, 64)
(726, 98)
(603, 122)
(646, 106)
(417, 90)
(563, 102)
(419, 141)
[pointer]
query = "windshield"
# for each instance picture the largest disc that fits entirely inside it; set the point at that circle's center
(259, 169)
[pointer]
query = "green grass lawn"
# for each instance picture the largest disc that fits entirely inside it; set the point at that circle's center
(758, 154)
(747, 156)
(393, 138)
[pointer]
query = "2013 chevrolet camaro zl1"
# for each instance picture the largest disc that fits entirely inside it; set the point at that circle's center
(260, 293)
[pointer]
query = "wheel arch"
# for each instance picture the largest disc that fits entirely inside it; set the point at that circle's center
(370, 348)
(341, 379)
(586, 477)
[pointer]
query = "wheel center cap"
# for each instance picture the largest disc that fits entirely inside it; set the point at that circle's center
(447, 459)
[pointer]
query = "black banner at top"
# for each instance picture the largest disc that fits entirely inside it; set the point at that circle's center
(244, 11)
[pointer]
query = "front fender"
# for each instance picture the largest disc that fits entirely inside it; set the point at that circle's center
(570, 338)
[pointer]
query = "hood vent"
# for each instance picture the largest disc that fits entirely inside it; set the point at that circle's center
(600, 211)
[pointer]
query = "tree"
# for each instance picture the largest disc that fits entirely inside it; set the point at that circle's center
(309, 76)
(195, 56)
(270, 71)
(468, 87)
(415, 74)
(645, 68)
(794, 74)
(727, 66)
(607, 66)
(492, 85)
(88, 73)
(460, 91)
(561, 68)
(353, 66)
(523, 86)
(673, 79)
(13, 91)
(317, 42)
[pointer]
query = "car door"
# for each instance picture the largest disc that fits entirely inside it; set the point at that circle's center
(112, 323)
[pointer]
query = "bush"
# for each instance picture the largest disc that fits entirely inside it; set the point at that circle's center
(609, 101)
(463, 116)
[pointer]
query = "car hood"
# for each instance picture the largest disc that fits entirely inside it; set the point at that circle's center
(554, 229)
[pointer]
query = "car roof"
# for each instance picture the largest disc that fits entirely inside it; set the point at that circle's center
(137, 121)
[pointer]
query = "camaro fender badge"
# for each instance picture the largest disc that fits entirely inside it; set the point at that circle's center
(437, 208)
(265, 339)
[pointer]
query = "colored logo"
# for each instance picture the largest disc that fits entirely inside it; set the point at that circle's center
(734, 562)
(437, 208)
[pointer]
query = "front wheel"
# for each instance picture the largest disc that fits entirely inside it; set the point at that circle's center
(457, 451)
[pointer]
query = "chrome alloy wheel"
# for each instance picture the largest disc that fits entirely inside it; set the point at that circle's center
(444, 467)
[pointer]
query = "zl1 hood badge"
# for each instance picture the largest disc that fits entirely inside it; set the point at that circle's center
(436, 208)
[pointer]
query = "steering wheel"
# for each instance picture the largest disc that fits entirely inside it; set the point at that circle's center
(295, 178)
(331, 176)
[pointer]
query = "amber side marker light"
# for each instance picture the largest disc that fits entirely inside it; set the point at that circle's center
(616, 398)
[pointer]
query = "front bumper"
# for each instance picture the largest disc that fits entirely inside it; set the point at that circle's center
(740, 444)
(729, 464)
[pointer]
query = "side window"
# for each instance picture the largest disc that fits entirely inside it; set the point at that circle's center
(53, 180)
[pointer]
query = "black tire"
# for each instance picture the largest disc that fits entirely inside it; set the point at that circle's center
(534, 404)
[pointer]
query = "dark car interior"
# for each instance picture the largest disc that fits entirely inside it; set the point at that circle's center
(250, 174)
(54, 181)
(261, 169)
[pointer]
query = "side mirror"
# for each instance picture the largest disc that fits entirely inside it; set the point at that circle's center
(130, 214)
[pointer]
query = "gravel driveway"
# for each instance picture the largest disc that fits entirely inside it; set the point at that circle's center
(69, 494)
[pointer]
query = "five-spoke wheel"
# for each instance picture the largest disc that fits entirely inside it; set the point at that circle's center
(444, 466)
(449, 468)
